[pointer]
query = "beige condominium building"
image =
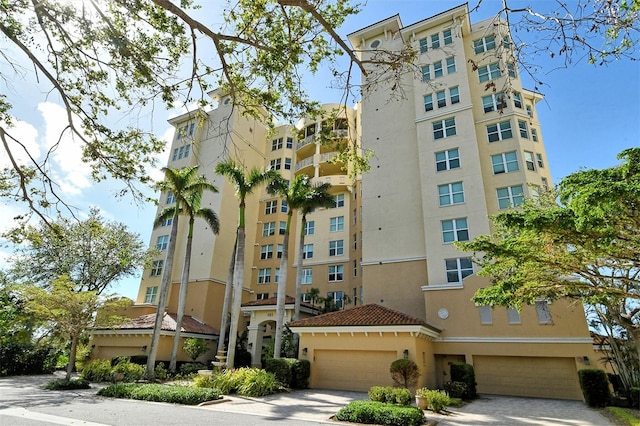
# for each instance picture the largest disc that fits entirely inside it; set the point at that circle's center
(462, 143)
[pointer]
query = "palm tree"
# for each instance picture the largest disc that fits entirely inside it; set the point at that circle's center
(244, 184)
(190, 207)
(181, 182)
(298, 195)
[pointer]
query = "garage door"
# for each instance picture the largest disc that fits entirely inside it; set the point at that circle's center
(352, 370)
(527, 376)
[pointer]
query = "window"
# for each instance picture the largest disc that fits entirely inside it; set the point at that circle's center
(451, 193)
(545, 184)
(513, 316)
(156, 267)
(529, 111)
(262, 296)
(355, 268)
(282, 229)
(310, 130)
(191, 128)
(454, 95)
(150, 295)
(167, 222)
(489, 72)
(444, 128)
(276, 276)
(451, 65)
(447, 38)
(171, 198)
(355, 241)
(175, 155)
(307, 276)
(285, 207)
(511, 69)
(287, 163)
(528, 159)
(266, 252)
(437, 69)
(426, 73)
(264, 275)
(455, 230)
(162, 241)
(511, 196)
(428, 103)
(505, 162)
(279, 251)
(337, 297)
(336, 224)
(447, 160)
(424, 45)
(270, 207)
(539, 160)
(484, 44)
(517, 100)
(276, 144)
(338, 200)
(499, 131)
(310, 227)
(506, 42)
(306, 297)
(307, 251)
(289, 143)
(276, 164)
(485, 315)
(524, 130)
(494, 102)
(441, 96)
(458, 268)
(187, 150)
(336, 273)
(268, 229)
(435, 41)
(336, 248)
(534, 135)
(542, 311)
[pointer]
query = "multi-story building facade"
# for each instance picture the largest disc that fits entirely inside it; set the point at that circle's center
(461, 145)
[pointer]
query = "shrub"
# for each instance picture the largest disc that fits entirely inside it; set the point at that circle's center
(300, 372)
(438, 400)
(161, 393)
(126, 371)
(390, 395)
(595, 387)
(402, 396)
(242, 358)
(98, 370)
(190, 368)
(281, 367)
(404, 372)
(161, 372)
(259, 382)
(18, 358)
(195, 347)
(455, 389)
(67, 384)
(203, 382)
(462, 372)
(634, 394)
(374, 412)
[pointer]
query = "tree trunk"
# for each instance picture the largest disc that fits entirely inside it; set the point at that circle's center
(238, 278)
(296, 309)
(72, 356)
(224, 323)
(282, 289)
(182, 299)
(150, 373)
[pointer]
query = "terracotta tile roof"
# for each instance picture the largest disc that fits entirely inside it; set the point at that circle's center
(361, 316)
(189, 324)
(272, 301)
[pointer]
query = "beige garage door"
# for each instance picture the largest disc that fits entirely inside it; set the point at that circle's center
(352, 370)
(527, 376)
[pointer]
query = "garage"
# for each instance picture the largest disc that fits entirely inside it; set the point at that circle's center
(527, 376)
(363, 369)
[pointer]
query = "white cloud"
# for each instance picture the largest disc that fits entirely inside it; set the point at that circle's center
(27, 135)
(161, 158)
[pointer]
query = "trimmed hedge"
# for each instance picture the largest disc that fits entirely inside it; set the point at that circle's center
(390, 395)
(595, 387)
(462, 372)
(404, 372)
(17, 358)
(293, 373)
(375, 412)
(185, 395)
(67, 384)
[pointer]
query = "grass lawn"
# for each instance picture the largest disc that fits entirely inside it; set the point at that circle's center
(622, 416)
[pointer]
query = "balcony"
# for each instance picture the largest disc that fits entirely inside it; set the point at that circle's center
(304, 163)
(306, 141)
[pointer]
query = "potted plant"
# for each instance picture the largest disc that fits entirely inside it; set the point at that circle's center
(421, 398)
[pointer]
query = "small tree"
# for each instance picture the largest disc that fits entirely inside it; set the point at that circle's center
(404, 372)
(195, 347)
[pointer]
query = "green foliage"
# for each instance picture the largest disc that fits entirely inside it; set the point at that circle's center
(281, 368)
(243, 381)
(161, 372)
(404, 372)
(390, 395)
(379, 413)
(595, 387)
(455, 389)
(185, 395)
(259, 383)
(438, 399)
(634, 394)
(300, 374)
(127, 371)
(98, 370)
(464, 373)
(67, 384)
(624, 416)
(17, 358)
(194, 347)
(189, 368)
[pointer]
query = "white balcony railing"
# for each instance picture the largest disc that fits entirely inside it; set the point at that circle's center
(304, 163)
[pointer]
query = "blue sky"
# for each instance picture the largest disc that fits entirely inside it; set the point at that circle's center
(590, 113)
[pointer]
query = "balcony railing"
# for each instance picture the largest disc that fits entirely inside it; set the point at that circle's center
(305, 142)
(304, 163)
